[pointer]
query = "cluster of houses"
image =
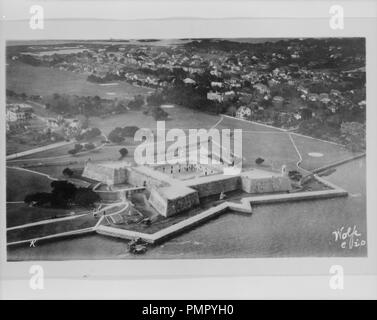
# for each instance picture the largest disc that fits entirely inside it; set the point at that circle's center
(67, 127)
(239, 76)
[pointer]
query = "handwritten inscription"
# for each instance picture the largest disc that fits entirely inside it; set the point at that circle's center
(349, 237)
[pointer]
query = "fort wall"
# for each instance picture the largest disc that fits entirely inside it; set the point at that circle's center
(158, 202)
(168, 207)
(187, 167)
(105, 174)
(265, 185)
(143, 179)
(182, 203)
(96, 172)
(221, 184)
(109, 195)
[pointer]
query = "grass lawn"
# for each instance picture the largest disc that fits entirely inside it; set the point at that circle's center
(55, 152)
(277, 149)
(26, 139)
(20, 183)
(20, 143)
(63, 150)
(273, 145)
(247, 125)
(56, 171)
(20, 213)
(21, 77)
(51, 228)
(329, 152)
(179, 117)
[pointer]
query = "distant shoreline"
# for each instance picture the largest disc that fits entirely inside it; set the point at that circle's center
(135, 41)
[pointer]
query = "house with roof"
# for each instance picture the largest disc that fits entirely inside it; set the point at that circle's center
(243, 112)
(215, 96)
(189, 81)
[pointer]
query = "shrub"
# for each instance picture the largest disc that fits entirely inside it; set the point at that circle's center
(40, 198)
(85, 197)
(123, 152)
(89, 146)
(89, 134)
(136, 103)
(116, 135)
(158, 113)
(77, 148)
(295, 175)
(129, 131)
(68, 172)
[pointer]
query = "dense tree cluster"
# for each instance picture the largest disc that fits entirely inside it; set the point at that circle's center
(86, 105)
(136, 103)
(119, 134)
(123, 153)
(88, 134)
(63, 195)
(353, 134)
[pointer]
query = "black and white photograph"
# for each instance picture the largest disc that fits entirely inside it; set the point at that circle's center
(186, 148)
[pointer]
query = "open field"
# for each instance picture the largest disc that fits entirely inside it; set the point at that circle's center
(179, 117)
(55, 171)
(21, 77)
(327, 152)
(22, 142)
(51, 228)
(276, 147)
(63, 150)
(273, 145)
(26, 138)
(20, 183)
(55, 152)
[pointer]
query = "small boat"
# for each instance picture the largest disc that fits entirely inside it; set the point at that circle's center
(139, 249)
(137, 246)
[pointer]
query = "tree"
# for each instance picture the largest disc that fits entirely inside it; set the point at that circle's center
(231, 111)
(136, 103)
(77, 148)
(116, 135)
(123, 152)
(89, 134)
(353, 134)
(155, 99)
(85, 197)
(89, 146)
(68, 172)
(129, 131)
(159, 114)
(295, 175)
(62, 193)
(40, 198)
(306, 113)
